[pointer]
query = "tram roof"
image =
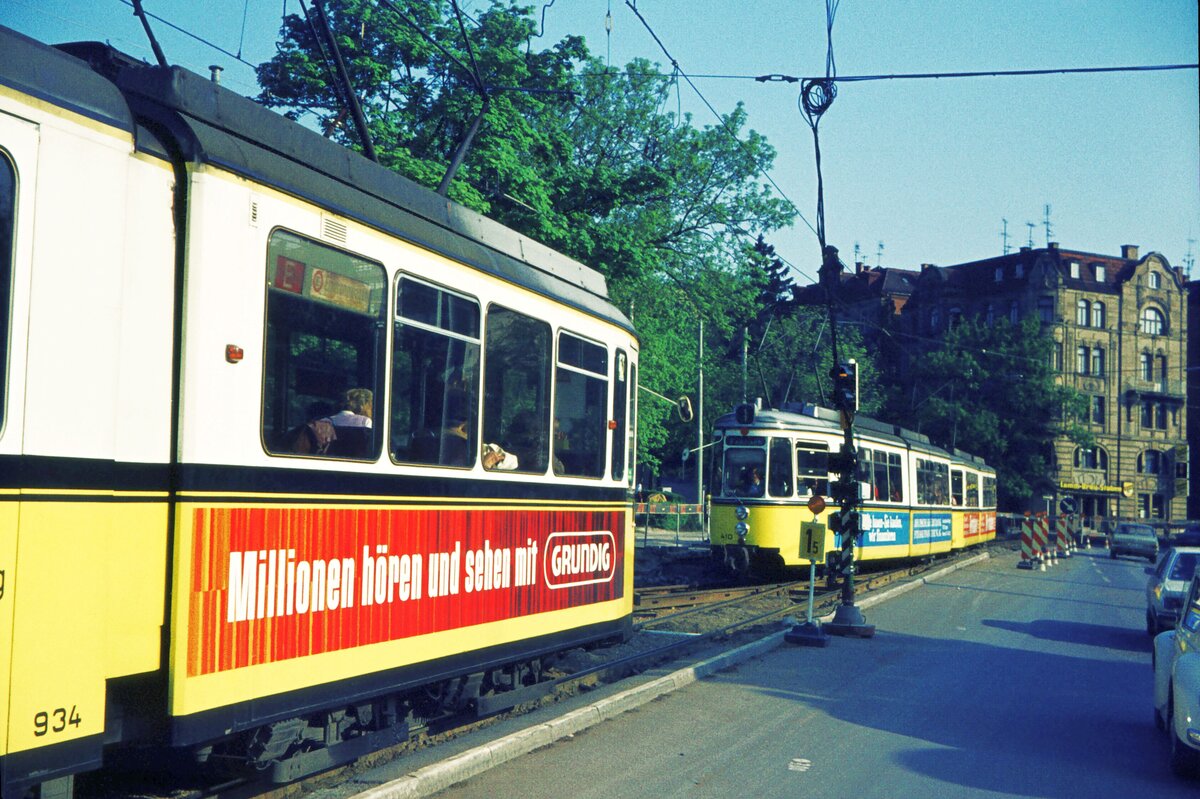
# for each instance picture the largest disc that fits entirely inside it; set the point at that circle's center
(815, 418)
(211, 124)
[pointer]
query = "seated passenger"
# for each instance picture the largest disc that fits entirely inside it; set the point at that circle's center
(496, 459)
(352, 426)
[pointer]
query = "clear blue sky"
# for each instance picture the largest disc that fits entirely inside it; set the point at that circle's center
(929, 168)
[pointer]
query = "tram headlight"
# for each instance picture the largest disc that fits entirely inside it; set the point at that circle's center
(742, 529)
(741, 512)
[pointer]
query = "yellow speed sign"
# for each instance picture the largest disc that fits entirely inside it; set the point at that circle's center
(812, 541)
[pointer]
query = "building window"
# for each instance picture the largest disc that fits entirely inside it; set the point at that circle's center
(1160, 416)
(1081, 313)
(935, 319)
(1074, 269)
(991, 314)
(1056, 362)
(1019, 270)
(1046, 309)
(953, 318)
(1098, 361)
(1014, 312)
(1098, 319)
(1152, 322)
(1162, 368)
(1146, 369)
(1150, 462)
(1081, 360)
(1098, 410)
(1154, 280)
(1091, 459)
(1147, 415)
(1099, 272)
(999, 274)
(1151, 506)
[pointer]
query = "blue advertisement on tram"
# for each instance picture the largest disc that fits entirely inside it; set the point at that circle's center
(930, 528)
(883, 528)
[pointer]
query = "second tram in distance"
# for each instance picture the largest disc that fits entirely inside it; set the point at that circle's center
(917, 500)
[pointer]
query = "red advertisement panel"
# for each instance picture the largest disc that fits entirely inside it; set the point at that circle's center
(269, 584)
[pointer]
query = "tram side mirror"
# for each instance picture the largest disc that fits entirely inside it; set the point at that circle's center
(684, 406)
(744, 414)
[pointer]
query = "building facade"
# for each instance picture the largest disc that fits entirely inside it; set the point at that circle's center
(1120, 329)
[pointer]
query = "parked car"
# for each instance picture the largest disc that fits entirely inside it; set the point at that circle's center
(1176, 658)
(1133, 539)
(1167, 587)
(1189, 537)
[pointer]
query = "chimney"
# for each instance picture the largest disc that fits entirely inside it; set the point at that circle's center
(925, 267)
(1129, 252)
(1052, 245)
(1025, 249)
(858, 267)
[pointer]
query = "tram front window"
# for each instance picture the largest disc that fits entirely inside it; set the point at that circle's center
(744, 472)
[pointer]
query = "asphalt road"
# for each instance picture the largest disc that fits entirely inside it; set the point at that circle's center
(989, 681)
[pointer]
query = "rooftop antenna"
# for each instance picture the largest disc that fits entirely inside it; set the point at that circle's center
(1031, 226)
(857, 253)
(608, 26)
(879, 255)
(1049, 229)
(1004, 235)
(1189, 260)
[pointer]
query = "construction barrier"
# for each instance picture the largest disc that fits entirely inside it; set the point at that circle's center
(1028, 555)
(1041, 533)
(1062, 533)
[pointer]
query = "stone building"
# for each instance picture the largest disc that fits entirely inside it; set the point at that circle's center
(1120, 329)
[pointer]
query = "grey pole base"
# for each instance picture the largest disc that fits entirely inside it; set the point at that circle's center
(848, 620)
(807, 634)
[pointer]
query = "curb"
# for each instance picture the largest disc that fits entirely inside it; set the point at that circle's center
(437, 777)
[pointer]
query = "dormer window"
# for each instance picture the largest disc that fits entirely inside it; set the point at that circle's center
(1099, 269)
(999, 273)
(1154, 280)
(1074, 269)
(1019, 270)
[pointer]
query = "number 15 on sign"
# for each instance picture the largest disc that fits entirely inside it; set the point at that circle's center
(812, 541)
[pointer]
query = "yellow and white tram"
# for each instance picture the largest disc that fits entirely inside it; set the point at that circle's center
(917, 500)
(293, 452)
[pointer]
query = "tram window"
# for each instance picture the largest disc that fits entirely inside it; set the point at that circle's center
(888, 482)
(8, 202)
(989, 492)
(325, 328)
(435, 376)
(744, 470)
(620, 403)
(516, 384)
(631, 450)
(932, 479)
(779, 469)
(971, 500)
(580, 397)
(812, 469)
(864, 474)
(956, 487)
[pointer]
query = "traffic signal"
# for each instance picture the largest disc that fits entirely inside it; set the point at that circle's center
(744, 414)
(845, 390)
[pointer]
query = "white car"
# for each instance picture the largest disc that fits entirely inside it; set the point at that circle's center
(1176, 658)
(1168, 584)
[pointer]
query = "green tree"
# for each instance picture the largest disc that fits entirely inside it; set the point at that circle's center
(992, 391)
